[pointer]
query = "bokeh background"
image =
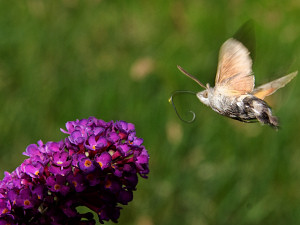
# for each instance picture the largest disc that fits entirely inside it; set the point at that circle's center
(116, 60)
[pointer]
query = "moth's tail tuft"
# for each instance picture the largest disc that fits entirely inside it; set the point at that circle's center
(263, 113)
(266, 117)
(273, 122)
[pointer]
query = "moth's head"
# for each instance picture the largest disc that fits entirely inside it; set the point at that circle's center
(203, 96)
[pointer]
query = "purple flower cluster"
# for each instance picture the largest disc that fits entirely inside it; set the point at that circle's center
(95, 166)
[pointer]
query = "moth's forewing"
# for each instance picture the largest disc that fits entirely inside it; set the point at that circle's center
(235, 68)
(269, 88)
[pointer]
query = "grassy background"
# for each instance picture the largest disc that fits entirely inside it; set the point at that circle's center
(62, 60)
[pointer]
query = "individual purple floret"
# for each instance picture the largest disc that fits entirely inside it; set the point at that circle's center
(96, 166)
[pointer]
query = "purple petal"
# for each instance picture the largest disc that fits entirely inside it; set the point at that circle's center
(125, 197)
(137, 141)
(131, 126)
(31, 150)
(61, 159)
(113, 137)
(76, 137)
(33, 170)
(123, 149)
(78, 182)
(86, 165)
(98, 131)
(103, 160)
(58, 170)
(54, 146)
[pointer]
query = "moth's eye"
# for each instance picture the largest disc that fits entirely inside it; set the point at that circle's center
(205, 94)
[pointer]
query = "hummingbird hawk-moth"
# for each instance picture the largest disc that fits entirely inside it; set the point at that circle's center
(234, 94)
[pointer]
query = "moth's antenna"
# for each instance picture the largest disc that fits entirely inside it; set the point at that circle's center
(171, 101)
(191, 76)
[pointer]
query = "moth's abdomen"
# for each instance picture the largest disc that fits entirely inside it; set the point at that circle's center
(255, 108)
(248, 108)
(239, 108)
(262, 111)
(245, 108)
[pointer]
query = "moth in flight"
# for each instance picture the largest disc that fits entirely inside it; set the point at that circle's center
(234, 94)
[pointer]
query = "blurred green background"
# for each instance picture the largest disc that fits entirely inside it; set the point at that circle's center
(116, 60)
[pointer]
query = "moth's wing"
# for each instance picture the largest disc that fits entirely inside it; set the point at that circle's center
(269, 88)
(235, 68)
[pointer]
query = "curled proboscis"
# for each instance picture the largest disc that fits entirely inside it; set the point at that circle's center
(172, 102)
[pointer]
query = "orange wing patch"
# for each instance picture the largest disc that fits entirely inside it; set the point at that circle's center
(269, 88)
(263, 93)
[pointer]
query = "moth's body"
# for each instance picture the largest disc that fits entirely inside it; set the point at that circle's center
(245, 108)
(234, 94)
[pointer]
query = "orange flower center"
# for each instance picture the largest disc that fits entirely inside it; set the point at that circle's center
(26, 202)
(75, 183)
(108, 184)
(87, 163)
(4, 211)
(56, 186)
